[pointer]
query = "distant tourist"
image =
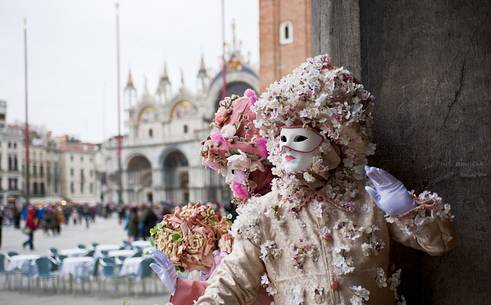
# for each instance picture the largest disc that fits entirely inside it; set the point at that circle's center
(31, 225)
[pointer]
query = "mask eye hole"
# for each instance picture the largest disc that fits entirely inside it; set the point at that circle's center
(283, 139)
(233, 171)
(299, 138)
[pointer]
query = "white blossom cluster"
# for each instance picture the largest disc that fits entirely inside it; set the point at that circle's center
(342, 261)
(360, 295)
(269, 250)
(270, 289)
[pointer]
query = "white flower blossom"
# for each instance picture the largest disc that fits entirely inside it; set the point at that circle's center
(381, 278)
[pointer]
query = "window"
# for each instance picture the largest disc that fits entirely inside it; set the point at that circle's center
(41, 171)
(35, 188)
(71, 157)
(185, 127)
(15, 144)
(286, 32)
(81, 187)
(12, 184)
(91, 188)
(81, 158)
(150, 133)
(71, 172)
(72, 187)
(1, 186)
(42, 188)
(10, 144)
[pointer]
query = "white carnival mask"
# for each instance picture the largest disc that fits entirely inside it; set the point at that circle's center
(298, 147)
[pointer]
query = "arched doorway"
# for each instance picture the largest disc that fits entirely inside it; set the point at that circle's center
(176, 178)
(236, 88)
(139, 173)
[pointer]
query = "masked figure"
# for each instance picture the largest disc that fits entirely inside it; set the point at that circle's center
(322, 235)
(236, 151)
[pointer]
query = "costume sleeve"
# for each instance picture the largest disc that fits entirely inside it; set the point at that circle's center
(237, 278)
(187, 291)
(428, 227)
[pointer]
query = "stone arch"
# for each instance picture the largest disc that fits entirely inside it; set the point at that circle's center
(175, 170)
(139, 178)
(245, 77)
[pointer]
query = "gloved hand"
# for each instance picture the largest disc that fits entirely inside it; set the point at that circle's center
(165, 270)
(389, 194)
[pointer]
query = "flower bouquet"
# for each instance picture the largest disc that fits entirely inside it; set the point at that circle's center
(190, 235)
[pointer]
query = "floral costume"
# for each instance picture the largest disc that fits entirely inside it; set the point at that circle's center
(318, 237)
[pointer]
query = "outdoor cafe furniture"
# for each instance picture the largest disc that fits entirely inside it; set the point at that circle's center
(22, 263)
(142, 244)
(79, 268)
(107, 247)
(118, 253)
(73, 252)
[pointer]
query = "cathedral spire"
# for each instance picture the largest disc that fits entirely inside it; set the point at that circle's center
(130, 91)
(202, 73)
(182, 87)
(164, 86)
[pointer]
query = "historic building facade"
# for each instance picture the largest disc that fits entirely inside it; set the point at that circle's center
(161, 152)
(11, 155)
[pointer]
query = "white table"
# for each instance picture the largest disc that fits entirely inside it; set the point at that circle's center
(108, 248)
(130, 266)
(141, 244)
(117, 253)
(77, 267)
(73, 252)
(21, 262)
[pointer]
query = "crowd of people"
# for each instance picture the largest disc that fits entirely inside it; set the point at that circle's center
(136, 219)
(50, 217)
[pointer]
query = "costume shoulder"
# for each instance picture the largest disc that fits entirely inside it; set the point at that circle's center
(251, 217)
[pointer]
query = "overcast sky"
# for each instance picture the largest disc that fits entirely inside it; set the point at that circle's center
(72, 65)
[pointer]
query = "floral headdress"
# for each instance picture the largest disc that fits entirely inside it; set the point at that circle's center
(328, 99)
(236, 144)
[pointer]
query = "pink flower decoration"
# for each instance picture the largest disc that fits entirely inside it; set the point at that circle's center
(251, 94)
(217, 137)
(262, 149)
(239, 176)
(240, 191)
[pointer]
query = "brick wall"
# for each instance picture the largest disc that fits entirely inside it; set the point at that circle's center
(277, 60)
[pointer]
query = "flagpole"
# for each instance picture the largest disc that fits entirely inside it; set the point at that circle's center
(224, 64)
(118, 84)
(26, 127)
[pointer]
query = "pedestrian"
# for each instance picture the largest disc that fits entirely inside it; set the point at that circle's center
(30, 227)
(133, 222)
(75, 216)
(1, 224)
(149, 221)
(59, 220)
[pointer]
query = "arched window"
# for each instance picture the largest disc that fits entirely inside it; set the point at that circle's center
(185, 127)
(286, 32)
(150, 133)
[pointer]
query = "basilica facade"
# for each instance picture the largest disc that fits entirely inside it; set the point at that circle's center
(161, 151)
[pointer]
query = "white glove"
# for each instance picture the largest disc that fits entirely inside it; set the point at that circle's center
(389, 194)
(165, 270)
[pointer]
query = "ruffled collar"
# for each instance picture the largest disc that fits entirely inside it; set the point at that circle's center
(295, 192)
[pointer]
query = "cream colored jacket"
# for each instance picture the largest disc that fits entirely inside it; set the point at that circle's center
(323, 254)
